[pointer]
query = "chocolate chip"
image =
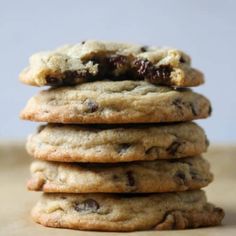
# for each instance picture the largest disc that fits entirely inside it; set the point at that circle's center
(163, 72)
(70, 74)
(153, 74)
(152, 150)
(182, 60)
(143, 66)
(88, 206)
(96, 60)
(173, 148)
(178, 103)
(194, 109)
(104, 68)
(92, 106)
(218, 210)
(144, 48)
(115, 177)
(70, 77)
(108, 65)
(75, 77)
(53, 81)
(130, 178)
(83, 42)
(180, 177)
(122, 148)
(195, 176)
(117, 61)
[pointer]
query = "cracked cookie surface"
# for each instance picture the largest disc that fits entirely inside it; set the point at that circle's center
(116, 102)
(96, 60)
(96, 143)
(152, 176)
(125, 212)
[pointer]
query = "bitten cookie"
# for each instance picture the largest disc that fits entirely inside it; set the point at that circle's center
(116, 102)
(151, 176)
(105, 212)
(96, 60)
(76, 143)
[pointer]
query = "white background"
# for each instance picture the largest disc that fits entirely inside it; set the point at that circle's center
(205, 29)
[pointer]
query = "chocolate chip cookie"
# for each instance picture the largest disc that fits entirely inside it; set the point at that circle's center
(124, 212)
(150, 176)
(96, 60)
(116, 102)
(96, 143)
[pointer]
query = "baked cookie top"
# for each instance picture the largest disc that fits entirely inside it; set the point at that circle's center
(116, 102)
(140, 177)
(116, 143)
(126, 212)
(97, 60)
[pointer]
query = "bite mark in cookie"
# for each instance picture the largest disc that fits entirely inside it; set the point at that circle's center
(95, 60)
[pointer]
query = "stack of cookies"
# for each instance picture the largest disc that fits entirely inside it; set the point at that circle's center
(119, 151)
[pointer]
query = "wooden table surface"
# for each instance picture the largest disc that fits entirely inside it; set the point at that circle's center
(16, 201)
